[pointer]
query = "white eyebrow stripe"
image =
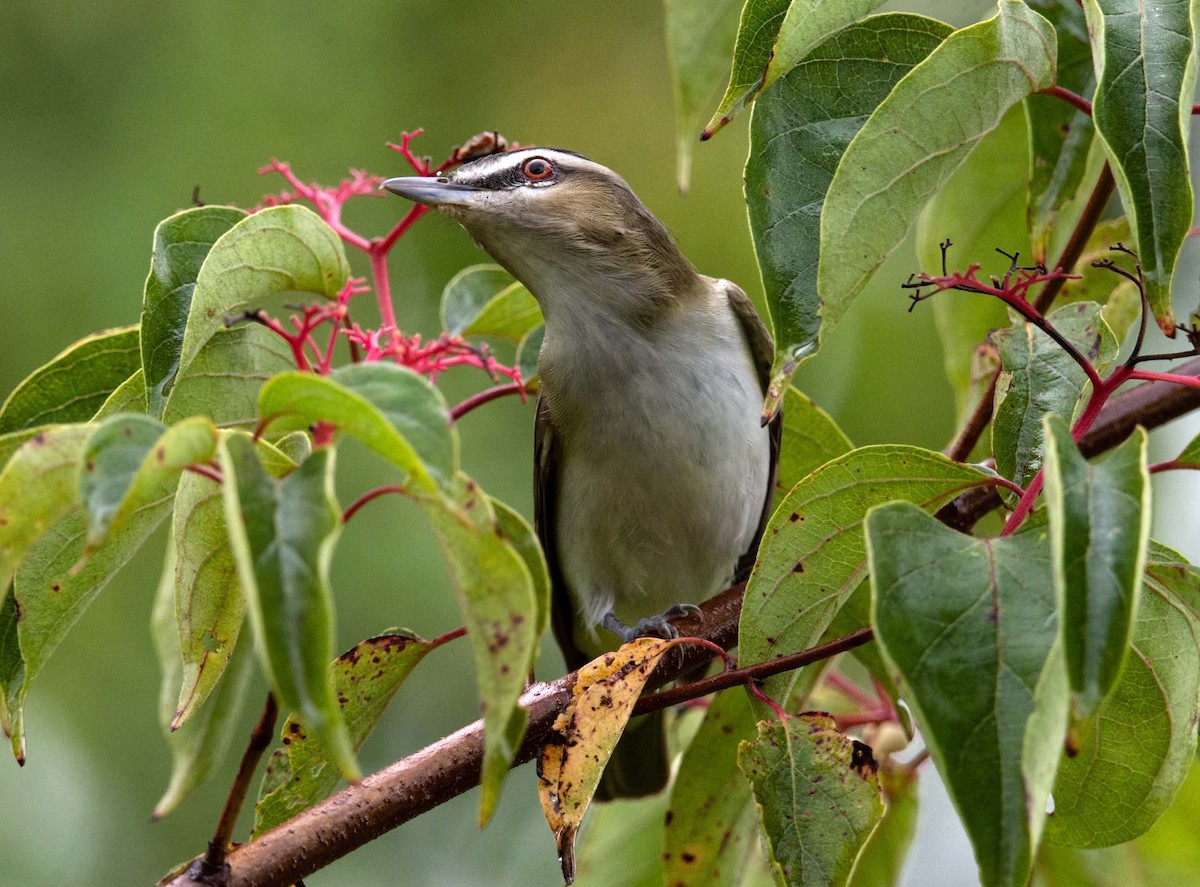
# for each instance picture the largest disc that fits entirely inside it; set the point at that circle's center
(484, 169)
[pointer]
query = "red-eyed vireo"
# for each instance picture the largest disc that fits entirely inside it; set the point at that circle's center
(653, 470)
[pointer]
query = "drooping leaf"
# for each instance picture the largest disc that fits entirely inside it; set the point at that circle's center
(810, 439)
(1060, 136)
(181, 244)
(712, 824)
(798, 132)
(365, 678)
(519, 534)
(1039, 377)
(485, 300)
(38, 487)
(1144, 56)
(53, 587)
(72, 386)
(979, 209)
(1099, 525)
(970, 625)
(493, 579)
(1129, 763)
(132, 459)
(208, 605)
(882, 182)
(201, 744)
(391, 409)
(282, 534)
(818, 797)
(585, 733)
(700, 37)
(813, 553)
(279, 250)
(758, 26)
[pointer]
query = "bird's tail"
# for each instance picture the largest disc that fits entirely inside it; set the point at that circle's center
(639, 765)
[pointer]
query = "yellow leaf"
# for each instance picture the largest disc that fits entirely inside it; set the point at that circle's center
(585, 734)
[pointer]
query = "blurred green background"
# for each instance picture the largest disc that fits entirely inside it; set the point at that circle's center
(112, 113)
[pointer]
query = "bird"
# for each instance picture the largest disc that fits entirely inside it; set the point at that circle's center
(654, 467)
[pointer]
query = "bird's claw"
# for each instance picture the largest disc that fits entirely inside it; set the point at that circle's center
(658, 626)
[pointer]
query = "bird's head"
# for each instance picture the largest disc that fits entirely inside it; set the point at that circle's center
(555, 219)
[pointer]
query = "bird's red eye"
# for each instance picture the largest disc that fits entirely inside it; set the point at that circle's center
(538, 169)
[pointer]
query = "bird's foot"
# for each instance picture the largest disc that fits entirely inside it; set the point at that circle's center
(652, 626)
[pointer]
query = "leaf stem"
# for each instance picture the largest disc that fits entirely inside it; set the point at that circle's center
(212, 868)
(368, 496)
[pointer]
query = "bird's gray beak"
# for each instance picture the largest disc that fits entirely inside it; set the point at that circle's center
(433, 191)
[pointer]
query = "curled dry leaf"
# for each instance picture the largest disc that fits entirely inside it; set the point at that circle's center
(585, 734)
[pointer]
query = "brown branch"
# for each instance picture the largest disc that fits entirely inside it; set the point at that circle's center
(1149, 405)
(449, 767)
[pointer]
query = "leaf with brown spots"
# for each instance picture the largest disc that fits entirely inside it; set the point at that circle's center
(364, 680)
(585, 734)
(813, 554)
(818, 797)
(130, 460)
(501, 583)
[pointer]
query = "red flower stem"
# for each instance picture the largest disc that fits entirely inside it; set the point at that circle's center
(383, 288)
(403, 225)
(482, 397)
(207, 471)
(369, 496)
(453, 635)
(1071, 98)
(1150, 376)
(849, 689)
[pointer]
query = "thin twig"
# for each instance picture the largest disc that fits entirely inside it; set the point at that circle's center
(213, 868)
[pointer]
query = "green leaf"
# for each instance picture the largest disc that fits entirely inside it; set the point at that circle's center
(1039, 377)
(496, 594)
(700, 37)
(810, 439)
(279, 250)
(981, 207)
(629, 830)
(181, 244)
(38, 487)
(818, 797)
(1060, 137)
(365, 678)
(757, 29)
(881, 862)
(1144, 56)
(1129, 763)
(224, 378)
(282, 534)
(798, 132)
(389, 408)
(970, 625)
(527, 353)
(882, 182)
(485, 300)
(128, 397)
(52, 589)
(711, 824)
(199, 746)
(1191, 454)
(209, 607)
(807, 24)
(72, 386)
(1099, 525)
(813, 554)
(520, 535)
(114, 453)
